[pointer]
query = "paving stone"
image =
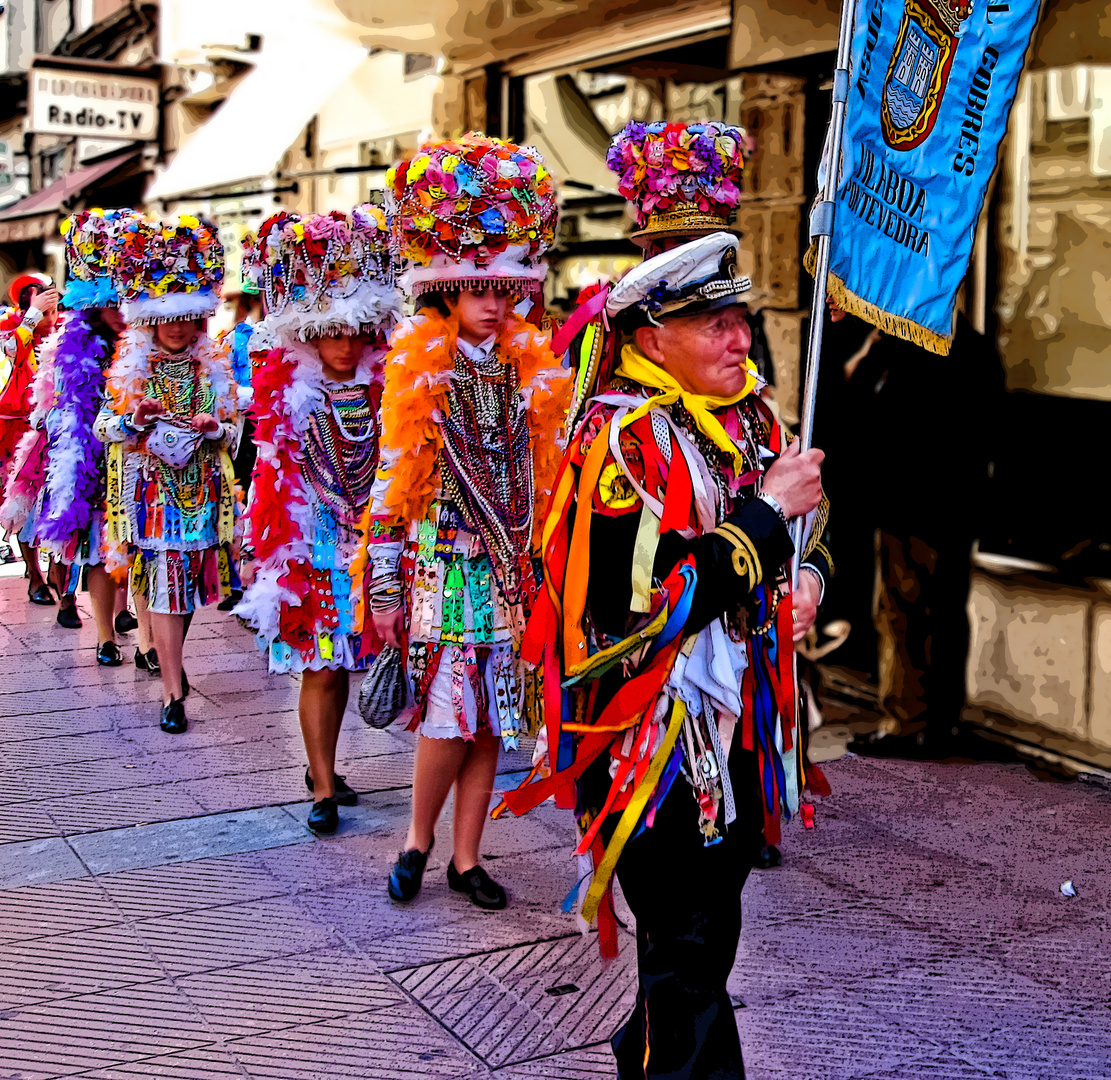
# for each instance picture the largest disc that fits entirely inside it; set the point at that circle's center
(194, 838)
(398, 1043)
(213, 938)
(207, 1063)
(33, 862)
(251, 999)
(590, 1063)
(68, 965)
(42, 910)
(102, 1029)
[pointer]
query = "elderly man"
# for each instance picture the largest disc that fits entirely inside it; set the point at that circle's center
(664, 635)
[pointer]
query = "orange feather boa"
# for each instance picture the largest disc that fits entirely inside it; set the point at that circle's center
(419, 367)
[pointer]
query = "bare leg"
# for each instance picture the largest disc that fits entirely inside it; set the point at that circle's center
(31, 561)
(103, 594)
(473, 789)
(119, 601)
(142, 616)
(168, 631)
(320, 708)
(438, 764)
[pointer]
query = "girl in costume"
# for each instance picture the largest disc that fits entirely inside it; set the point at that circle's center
(472, 405)
(317, 378)
(24, 328)
(171, 421)
(69, 511)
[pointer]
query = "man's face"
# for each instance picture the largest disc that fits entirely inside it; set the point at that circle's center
(704, 353)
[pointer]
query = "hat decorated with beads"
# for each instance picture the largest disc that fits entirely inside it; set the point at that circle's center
(167, 271)
(325, 273)
(474, 212)
(90, 238)
(682, 179)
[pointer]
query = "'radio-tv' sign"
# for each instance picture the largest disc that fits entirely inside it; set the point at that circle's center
(65, 101)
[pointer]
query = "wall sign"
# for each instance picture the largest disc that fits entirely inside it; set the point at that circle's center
(65, 101)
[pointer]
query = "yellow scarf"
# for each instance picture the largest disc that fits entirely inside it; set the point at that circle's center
(636, 367)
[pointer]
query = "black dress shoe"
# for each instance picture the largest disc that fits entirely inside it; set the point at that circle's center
(768, 857)
(173, 717)
(147, 661)
(479, 886)
(408, 873)
(344, 795)
(42, 596)
(125, 622)
(323, 817)
(68, 617)
(230, 600)
(108, 655)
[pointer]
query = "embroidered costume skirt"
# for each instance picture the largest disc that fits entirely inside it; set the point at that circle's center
(179, 582)
(317, 632)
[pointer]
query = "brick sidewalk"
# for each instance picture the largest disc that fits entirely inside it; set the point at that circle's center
(164, 913)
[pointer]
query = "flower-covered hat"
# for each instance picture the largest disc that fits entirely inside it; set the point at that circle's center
(167, 271)
(682, 179)
(90, 238)
(473, 212)
(324, 273)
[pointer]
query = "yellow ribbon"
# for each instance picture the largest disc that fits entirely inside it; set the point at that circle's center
(632, 814)
(636, 367)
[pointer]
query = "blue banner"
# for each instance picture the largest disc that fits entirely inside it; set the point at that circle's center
(931, 84)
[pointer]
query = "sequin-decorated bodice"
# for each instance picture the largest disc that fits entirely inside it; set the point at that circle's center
(487, 459)
(341, 452)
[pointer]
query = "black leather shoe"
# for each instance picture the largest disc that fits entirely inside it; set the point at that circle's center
(479, 886)
(108, 655)
(147, 661)
(125, 622)
(41, 596)
(173, 717)
(344, 794)
(768, 857)
(323, 817)
(68, 617)
(408, 873)
(230, 600)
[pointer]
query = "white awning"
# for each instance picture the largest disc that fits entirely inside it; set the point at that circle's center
(247, 136)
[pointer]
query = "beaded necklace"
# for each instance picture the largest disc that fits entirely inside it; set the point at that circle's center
(341, 452)
(489, 473)
(175, 382)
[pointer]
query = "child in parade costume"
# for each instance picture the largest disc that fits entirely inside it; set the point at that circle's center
(664, 637)
(68, 515)
(317, 358)
(170, 421)
(471, 415)
(24, 328)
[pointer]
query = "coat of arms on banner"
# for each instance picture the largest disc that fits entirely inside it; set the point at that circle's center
(919, 69)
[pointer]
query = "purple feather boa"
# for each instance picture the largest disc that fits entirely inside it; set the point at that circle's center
(74, 454)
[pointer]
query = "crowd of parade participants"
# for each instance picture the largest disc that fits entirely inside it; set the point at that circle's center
(511, 527)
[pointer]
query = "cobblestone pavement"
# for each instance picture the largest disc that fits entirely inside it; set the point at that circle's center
(164, 913)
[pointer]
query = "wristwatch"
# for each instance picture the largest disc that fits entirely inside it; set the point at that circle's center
(773, 502)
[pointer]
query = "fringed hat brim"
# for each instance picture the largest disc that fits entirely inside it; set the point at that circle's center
(372, 306)
(511, 269)
(170, 307)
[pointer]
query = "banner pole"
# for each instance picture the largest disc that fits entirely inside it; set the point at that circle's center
(821, 229)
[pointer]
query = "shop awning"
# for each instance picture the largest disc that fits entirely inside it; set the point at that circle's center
(248, 135)
(36, 215)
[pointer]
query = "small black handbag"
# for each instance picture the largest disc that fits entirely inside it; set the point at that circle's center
(385, 689)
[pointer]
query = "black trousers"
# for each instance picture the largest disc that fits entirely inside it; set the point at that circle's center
(687, 902)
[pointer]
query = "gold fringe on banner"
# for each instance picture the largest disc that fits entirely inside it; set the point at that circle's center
(906, 329)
